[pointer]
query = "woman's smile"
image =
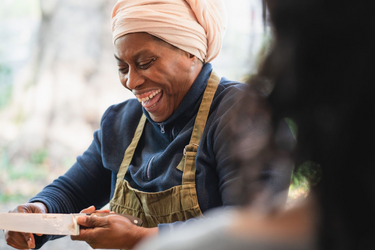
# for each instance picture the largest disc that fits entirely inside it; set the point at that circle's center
(150, 99)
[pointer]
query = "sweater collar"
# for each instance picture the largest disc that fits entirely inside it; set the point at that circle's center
(190, 104)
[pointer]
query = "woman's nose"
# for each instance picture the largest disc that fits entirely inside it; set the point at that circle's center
(134, 79)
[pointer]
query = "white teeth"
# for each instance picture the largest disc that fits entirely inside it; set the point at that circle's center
(149, 97)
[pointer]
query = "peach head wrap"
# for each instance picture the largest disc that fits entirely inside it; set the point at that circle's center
(195, 26)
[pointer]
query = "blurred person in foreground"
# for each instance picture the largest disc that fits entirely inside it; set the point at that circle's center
(321, 64)
(164, 156)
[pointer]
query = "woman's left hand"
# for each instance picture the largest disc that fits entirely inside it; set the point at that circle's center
(111, 232)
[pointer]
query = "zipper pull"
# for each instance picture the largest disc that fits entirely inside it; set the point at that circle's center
(161, 128)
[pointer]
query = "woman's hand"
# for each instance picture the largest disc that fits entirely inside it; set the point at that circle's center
(24, 240)
(111, 232)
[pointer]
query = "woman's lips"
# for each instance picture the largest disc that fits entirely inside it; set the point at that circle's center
(149, 99)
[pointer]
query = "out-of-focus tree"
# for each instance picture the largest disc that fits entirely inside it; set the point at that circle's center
(59, 96)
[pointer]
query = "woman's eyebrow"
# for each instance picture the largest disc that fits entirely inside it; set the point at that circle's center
(146, 52)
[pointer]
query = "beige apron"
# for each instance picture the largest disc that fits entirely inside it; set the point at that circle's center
(178, 203)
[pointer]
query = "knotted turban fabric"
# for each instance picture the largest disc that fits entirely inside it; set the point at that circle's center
(195, 26)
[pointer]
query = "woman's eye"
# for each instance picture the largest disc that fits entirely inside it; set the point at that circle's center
(123, 71)
(146, 64)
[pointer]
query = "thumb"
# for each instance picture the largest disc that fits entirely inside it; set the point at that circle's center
(92, 221)
(88, 210)
(29, 237)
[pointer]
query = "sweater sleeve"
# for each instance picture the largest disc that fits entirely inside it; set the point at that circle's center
(86, 183)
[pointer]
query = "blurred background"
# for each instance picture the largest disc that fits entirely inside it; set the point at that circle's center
(58, 75)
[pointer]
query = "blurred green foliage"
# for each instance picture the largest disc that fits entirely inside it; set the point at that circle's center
(33, 170)
(5, 85)
(306, 175)
(9, 11)
(11, 198)
(39, 156)
(16, 172)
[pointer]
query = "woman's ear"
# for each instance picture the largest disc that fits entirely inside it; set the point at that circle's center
(191, 57)
(195, 59)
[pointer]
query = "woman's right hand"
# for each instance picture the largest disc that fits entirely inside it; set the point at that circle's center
(24, 240)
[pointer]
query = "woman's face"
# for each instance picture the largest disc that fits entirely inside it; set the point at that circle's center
(158, 74)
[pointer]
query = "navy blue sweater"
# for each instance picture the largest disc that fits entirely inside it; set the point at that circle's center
(92, 179)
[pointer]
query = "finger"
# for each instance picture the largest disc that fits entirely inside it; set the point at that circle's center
(88, 210)
(30, 208)
(29, 238)
(20, 209)
(18, 240)
(103, 211)
(38, 207)
(15, 245)
(81, 220)
(87, 229)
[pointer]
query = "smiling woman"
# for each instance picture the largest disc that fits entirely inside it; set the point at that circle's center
(158, 74)
(161, 156)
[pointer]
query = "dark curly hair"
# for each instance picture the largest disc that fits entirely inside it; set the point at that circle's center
(322, 67)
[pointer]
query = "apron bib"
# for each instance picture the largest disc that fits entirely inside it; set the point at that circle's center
(178, 203)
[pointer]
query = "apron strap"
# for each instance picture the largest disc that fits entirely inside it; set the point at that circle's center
(191, 149)
(128, 156)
